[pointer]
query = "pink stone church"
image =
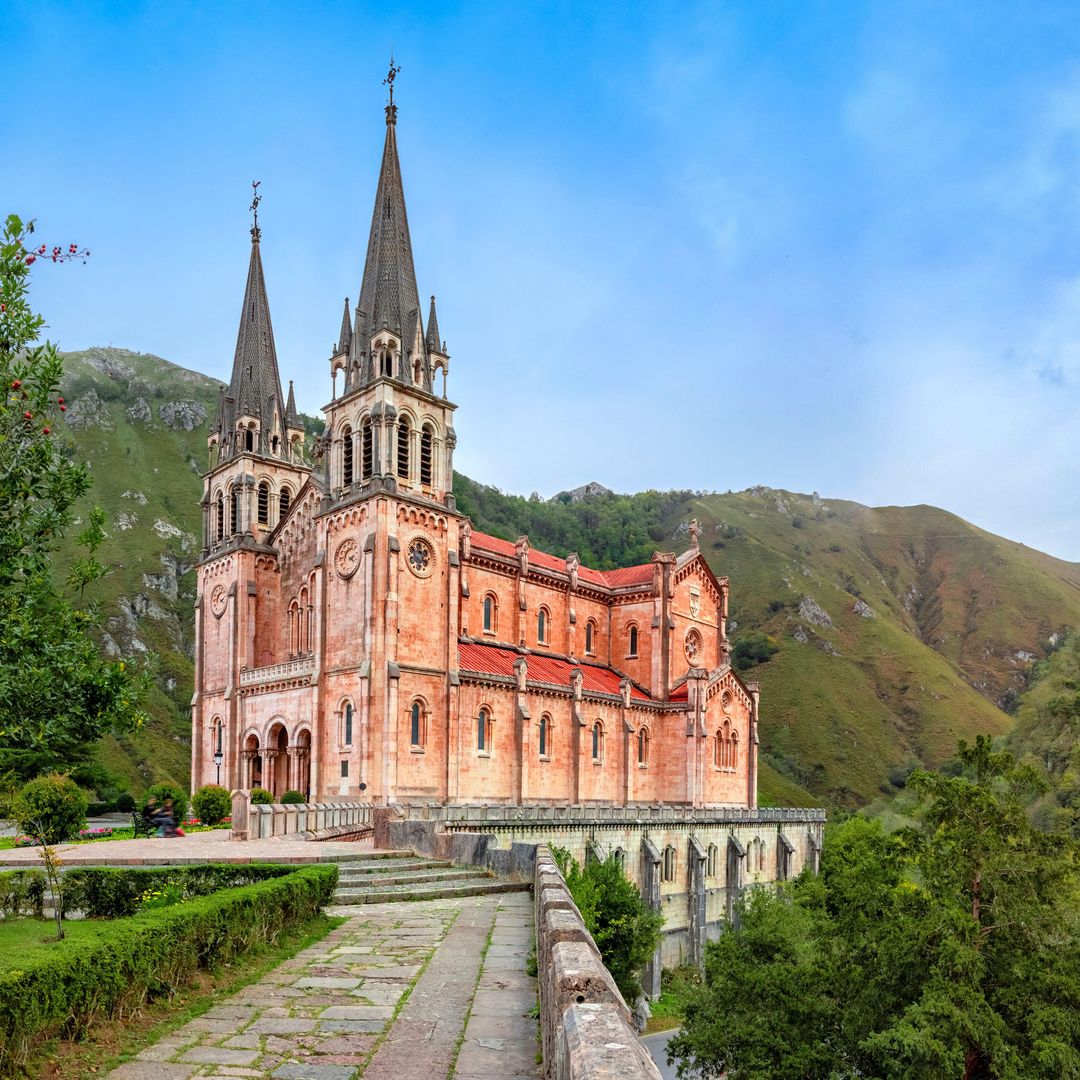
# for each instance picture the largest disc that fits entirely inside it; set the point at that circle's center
(355, 637)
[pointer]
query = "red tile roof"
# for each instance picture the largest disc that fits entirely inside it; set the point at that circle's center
(499, 660)
(627, 575)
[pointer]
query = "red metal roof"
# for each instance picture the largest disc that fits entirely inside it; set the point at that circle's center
(499, 660)
(627, 575)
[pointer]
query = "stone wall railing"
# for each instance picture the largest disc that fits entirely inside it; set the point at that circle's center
(299, 821)
(585, 1026)
(291, 669)
(498, 814)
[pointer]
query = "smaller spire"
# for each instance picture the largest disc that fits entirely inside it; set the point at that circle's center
(391, 75)
(292, 419)
(256, 232)
(345, 337)
(434, 342)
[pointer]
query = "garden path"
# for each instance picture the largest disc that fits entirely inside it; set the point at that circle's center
(405, 991)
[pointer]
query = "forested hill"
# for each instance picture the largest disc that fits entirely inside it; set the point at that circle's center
(882, 634)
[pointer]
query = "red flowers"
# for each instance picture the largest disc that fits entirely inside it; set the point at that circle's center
(28, 415)
(63, 408)
(16, 384)
(44, 431)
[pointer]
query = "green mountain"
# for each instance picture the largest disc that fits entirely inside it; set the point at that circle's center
(896, 630)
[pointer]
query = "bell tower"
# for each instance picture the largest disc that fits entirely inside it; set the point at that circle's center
(389, 427)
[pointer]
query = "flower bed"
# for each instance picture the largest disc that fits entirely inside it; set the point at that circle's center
(74, 983)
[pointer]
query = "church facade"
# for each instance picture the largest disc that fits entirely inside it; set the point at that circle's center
(356, 637)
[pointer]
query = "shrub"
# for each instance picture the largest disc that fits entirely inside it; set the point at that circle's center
(22, 892)
(50, 809)
(753, 648)
(293, 797)
(167, 790)
(149, 955)
(125, 802)
(211, 803)
(261, 797)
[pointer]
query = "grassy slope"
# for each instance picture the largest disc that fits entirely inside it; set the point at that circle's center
(953, 605)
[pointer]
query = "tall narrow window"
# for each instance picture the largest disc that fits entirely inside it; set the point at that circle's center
(426, 439)
(283, 502)
(734, 749)
(387, 362)
(404, 434)
(598, 741)
(234, 512)
(221, 517)
(217, 739)
(541, 626)
(264, 503)
(643, 746)
(347, 740)
(482, 730)
(545, 735)
(249, 439)
(489, 614)
(631, 649)
(590, 633)
(368, 451)
(416, 735)
(347, 456)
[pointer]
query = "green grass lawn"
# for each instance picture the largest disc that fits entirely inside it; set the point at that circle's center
(23, 940)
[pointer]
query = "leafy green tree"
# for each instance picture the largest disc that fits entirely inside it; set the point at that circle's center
(57, 693)
(626, 930)
(948, 950)
(211, 804)
(50, 809)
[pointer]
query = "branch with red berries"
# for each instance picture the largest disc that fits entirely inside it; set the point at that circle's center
(57, 254)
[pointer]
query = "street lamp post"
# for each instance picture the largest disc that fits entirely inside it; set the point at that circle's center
(217, 761)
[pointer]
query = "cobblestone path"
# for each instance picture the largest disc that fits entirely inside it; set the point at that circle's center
(396, 993)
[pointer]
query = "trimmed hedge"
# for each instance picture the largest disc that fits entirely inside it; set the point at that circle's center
(146, 956)
(108, 892)
(22, 892)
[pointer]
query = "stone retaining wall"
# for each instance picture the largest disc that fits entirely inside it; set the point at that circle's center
(585, 1026)
(299, 821)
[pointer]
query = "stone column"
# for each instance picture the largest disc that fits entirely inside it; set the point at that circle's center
(695, 891)
(650, 892)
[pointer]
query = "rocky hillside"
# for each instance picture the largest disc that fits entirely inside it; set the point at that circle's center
(896, 630)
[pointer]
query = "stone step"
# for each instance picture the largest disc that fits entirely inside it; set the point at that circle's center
(389, 866)
(412, 877)
(399, 893)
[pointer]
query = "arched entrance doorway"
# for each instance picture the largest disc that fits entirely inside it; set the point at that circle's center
(301, 763)
(251, 763)
(276, 779)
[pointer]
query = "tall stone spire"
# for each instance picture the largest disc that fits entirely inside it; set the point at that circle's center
(255, 387)
(434, 343)
(388, 295)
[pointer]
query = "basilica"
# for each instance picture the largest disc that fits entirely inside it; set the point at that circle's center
(357, 638)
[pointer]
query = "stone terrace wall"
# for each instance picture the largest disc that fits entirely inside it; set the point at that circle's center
(299, 821)
(585, 1026)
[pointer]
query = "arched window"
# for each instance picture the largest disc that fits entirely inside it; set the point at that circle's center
(668, 867)
(283, 502)
(218, 733)
(264, 503)
(416, 725)
(710, 861)
(347, 456)
(482, 734)
(346, 725)
(718, 750)
(305, 622)
(387, 362)
(590, 636)
(427, 438)
(490, 613)
(541, 626)
(545, 735)
(598, 742)
(234, 511)
(249, 439)
(368, 460)
(220, 516)
(294, 627)
(619, 855)
(404, 434)
(631, 644)
(734, 750)
(643, 746)
(275, 442)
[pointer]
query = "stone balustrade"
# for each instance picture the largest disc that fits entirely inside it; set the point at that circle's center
(291, 669)
(462, 816)
(298, 821)
(585, 1026)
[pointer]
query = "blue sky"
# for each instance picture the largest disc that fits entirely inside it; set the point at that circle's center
(818, 246)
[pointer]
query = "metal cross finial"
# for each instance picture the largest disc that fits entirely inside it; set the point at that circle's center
(256, 198)
(391, 75)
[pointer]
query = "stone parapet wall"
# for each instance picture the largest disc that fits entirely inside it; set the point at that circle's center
(585, 1026)
(299, 821)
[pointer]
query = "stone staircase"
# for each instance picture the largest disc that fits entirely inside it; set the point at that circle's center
(399, 876)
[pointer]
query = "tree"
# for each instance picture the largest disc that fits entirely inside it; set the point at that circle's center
(57, 693)
(947, 951)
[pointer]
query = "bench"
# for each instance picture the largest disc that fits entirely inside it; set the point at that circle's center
(141, 825)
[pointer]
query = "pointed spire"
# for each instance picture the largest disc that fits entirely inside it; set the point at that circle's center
(292, 418)
(388, 293)
(255, 386)
(434, 342)
(345, 337)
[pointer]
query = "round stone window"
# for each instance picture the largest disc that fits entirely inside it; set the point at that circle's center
(695, 648)
(421, 557)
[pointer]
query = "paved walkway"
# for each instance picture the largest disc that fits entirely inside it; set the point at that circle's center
(204, 847)
(395, 993)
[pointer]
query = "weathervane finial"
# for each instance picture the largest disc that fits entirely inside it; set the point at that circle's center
(256, 198)
(391, 75)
